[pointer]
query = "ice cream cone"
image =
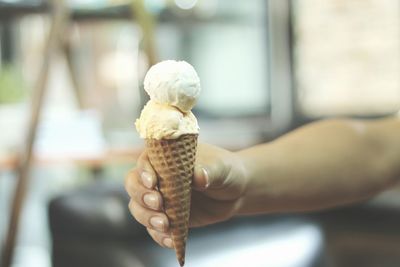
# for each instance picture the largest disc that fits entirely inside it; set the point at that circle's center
(170, 129)
(173, 161)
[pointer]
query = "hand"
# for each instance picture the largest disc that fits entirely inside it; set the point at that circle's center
(218, 186)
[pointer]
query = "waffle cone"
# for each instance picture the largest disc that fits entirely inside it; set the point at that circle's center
(173, 161)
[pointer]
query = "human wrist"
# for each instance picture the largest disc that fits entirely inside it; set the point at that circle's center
(261, 175)
(244, 174)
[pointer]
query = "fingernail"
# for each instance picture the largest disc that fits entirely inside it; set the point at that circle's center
(204, 181)
(147, 179)
(206, 177)
(168, 242)
(150, 200)
(157, 223)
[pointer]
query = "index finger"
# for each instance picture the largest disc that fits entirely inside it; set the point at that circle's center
(146, 171)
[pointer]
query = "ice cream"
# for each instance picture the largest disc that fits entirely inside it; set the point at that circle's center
(173, 83)
(173, 87)
(171, 130)
(161, 121)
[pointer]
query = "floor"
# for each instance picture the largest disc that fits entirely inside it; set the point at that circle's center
(33, 242)
(283, 243)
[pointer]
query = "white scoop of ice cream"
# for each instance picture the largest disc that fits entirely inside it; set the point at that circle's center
(173, 83)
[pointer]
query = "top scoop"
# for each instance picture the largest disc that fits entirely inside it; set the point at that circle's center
(173, 87)
(173, 83)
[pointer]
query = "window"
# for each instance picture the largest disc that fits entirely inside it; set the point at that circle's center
(347, 56)
(227, 44)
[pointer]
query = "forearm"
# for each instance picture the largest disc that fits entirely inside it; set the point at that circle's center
(322, 165)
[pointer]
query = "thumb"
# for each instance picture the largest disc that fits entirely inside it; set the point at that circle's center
(210, 177)
(201, 179)
(217, 184)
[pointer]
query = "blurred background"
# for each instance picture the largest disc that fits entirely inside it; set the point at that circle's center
(71, 76)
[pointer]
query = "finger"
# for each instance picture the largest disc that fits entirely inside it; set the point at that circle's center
(146, 171)
(150, 219)
(201, 180)
(212, 167)
(218, 174)
(214, 180)
(130, 182)
(147, 198)
(162, 239)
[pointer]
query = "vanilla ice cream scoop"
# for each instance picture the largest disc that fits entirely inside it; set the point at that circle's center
(160, 121)
(174, 83)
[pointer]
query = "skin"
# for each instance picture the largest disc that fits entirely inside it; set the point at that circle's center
(318, 166)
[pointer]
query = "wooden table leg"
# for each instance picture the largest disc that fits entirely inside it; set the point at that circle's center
(57, 25)
(147, 23)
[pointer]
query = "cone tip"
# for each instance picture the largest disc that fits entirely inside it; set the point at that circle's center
(181, 262)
